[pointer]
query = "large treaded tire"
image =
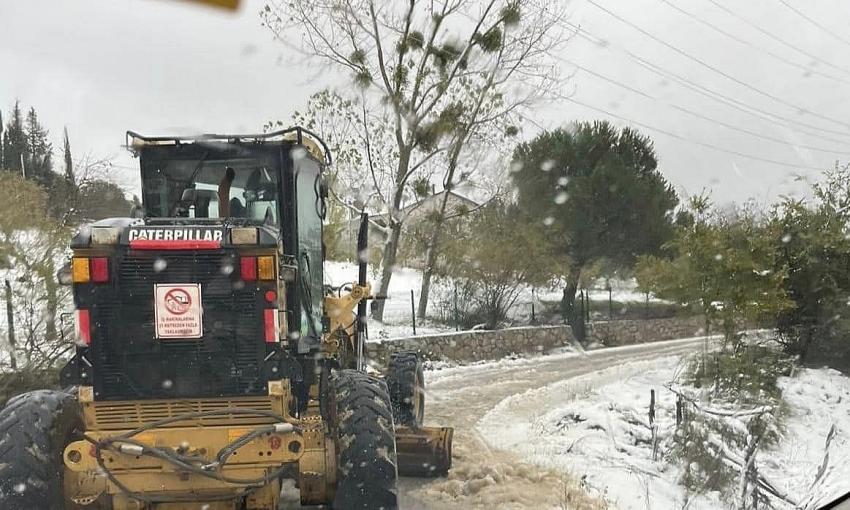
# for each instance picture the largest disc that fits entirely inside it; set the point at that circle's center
(34, 429)
(406, 384)
(365, 437)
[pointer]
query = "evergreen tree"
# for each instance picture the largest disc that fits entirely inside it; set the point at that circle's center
(15, 143)
(598, 192)
(69, 162)
(39, 163)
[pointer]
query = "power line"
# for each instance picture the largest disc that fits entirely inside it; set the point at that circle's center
(813, 22)
(702, 116)
(686, 139)
(603, 77)
(748, 44)
(713, 68)
(776, 38)
(710, 93)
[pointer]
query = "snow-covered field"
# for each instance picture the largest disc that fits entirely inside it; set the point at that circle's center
(398, 314)
(596, 427)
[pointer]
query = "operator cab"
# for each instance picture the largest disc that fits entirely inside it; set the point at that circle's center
(227, 246)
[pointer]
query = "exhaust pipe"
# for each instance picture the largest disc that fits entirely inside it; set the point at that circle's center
(424, 452)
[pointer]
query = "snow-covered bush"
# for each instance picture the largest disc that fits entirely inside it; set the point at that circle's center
(732, 402)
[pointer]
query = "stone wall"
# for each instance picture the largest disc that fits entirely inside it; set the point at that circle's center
(611, 333)
(475, 345)
(484, 344)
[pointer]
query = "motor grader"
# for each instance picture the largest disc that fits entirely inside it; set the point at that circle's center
(212, 363)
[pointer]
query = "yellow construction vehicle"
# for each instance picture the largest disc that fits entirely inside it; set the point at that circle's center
(212, 364)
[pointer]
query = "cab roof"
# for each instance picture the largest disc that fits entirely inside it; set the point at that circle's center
(298, 135)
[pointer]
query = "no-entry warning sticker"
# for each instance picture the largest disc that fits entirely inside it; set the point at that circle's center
(178, 310)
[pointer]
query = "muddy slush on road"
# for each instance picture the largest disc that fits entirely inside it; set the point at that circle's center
(485, 476)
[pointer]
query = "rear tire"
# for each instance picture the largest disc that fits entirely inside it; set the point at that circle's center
(406, 384)
(34, 429)
(365, 438)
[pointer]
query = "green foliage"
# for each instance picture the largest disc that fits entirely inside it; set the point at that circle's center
(747, 375)
(490, 41)
(31, 242)
(812, 244)
(15, 141)
(415, 40)
(724, 266)
(598, 193)
(363, 78)
(421, 187)
(39, 159)
(498, 257)
(510, 13)
(358, 56)
(444, 54)
(745, 378)
(66, 153)
(101, 199)
(22, 381)
(24, 205)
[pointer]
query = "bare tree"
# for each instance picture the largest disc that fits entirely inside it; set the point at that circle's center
(421, 66)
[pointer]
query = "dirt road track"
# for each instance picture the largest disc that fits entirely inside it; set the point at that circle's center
(483, 475)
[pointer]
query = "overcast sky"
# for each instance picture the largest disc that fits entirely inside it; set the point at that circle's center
(164, 66)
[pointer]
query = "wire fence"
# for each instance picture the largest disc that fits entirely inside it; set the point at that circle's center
(453, 309)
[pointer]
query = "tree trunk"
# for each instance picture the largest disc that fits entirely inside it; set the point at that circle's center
(568, 301)
(391, 248)
(431, 258)
(10, 322)
(52, 299)
(387, 265)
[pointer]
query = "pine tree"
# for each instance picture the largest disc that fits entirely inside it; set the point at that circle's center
(40, 162)
(15, 143)
(69, 163)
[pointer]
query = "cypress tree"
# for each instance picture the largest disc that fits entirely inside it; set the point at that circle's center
(15, 143)
(69, 163)
(40, 162)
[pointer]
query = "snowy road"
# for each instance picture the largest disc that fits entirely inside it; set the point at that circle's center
(485, 476)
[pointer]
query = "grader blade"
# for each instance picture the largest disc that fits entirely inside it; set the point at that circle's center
(424, 451)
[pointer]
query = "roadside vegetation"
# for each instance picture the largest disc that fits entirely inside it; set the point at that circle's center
(784, 268)
(45, 200)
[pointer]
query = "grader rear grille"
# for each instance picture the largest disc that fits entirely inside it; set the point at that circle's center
(118, 415)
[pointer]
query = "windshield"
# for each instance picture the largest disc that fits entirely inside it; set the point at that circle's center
(434, 254)
(195, 188)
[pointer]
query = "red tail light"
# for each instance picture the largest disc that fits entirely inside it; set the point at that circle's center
(83, 327)
(248, 266)
(100, 269)
(271, 325)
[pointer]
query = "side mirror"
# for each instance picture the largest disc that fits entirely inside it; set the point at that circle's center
(288, 273)
(64, 276)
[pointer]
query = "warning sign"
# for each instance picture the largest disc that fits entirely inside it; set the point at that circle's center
(178, 310)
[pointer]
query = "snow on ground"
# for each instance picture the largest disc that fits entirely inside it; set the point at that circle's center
(623, 291)
(442, 371)
(597, 428)
(818, 400)
(398, 313)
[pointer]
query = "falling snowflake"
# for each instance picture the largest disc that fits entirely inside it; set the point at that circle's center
(561, 197)
(159, 265)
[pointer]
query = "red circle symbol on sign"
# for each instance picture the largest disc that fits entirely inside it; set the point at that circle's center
(177, 301)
